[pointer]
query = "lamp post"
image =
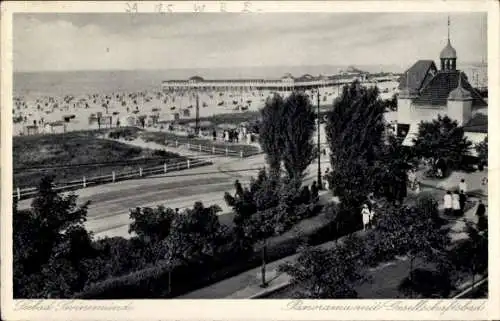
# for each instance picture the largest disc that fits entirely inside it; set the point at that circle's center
(320, 183)
(197, 128)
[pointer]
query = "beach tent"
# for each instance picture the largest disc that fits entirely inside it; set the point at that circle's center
(131, 121)
(186, 113)
(57, 127)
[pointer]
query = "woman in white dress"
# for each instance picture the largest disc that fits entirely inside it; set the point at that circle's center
(455, 203)
(365, 212)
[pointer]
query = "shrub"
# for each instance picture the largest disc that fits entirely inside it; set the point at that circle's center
(152, 282)
(424, 283)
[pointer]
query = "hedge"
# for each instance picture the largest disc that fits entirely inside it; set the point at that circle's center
(153, 282)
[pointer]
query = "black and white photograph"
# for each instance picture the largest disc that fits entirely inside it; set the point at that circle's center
(230, 155)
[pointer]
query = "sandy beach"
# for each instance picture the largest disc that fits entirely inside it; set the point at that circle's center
(55, 114)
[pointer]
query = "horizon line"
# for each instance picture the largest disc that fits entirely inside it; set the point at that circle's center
(232, 67)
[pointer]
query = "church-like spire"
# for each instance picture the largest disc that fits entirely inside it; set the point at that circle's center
(448, 55)
(449, 29)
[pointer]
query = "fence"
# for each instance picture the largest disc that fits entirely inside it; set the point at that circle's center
(29, 192)
(203, 148)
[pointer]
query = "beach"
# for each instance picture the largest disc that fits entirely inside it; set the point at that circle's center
(77, 102)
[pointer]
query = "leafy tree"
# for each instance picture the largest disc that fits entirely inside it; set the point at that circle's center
(442, 138)
(326, 274)
(471, 255)
(151, 225)
(390, 170)
(51, 233)
(195, 235)
(298, 120)
(482, 151)
(354, 129)
(411, 230)
(271, 132)
(116, 256)
(392, 103)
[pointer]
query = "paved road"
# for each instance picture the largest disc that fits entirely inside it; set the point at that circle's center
(110, 203)
(108, 213)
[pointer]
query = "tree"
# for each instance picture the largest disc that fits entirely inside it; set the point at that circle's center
(271, 133)
(354, 129)
(325, 274)
(482, 151)
(392, 103)
(412, 230)
(151, 225)
(194, 237)
(471, 255)
(442, 138)
(51, 233)
(298, 120)
(390, 170)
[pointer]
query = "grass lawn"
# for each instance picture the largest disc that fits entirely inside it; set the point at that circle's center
(70, 156)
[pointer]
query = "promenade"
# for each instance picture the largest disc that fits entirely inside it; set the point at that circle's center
(384, 278)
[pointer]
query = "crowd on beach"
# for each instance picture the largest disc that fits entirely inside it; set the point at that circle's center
(49, 114)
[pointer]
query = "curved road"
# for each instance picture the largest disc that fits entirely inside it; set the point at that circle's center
(108, 213)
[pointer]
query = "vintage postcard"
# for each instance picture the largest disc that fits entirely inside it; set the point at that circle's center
(215, 160)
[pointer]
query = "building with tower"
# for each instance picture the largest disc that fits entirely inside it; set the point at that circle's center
(426, 92)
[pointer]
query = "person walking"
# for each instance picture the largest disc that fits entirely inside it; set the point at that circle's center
(412, 177)
(314, 192)
(239, 189)
(325, 179)
(462, 186)
(214, 135)
(372, 215)
(448, 203)
(455, 204)
(462, 199)
(240, 136)
(481, 209)
(365, 213)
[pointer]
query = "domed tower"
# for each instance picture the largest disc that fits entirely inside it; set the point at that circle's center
(448, 55)
(460, 103)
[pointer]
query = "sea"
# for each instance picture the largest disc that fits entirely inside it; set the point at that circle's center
(60, 83)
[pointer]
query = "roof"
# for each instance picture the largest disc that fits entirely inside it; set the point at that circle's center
(448, 52)
(477, 124)
(416, 75)
(437, 90)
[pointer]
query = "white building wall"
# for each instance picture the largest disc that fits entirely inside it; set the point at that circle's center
(404, 111)
(427, 113)
(461, 111)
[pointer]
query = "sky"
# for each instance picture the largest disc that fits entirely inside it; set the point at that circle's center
(104, 41)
